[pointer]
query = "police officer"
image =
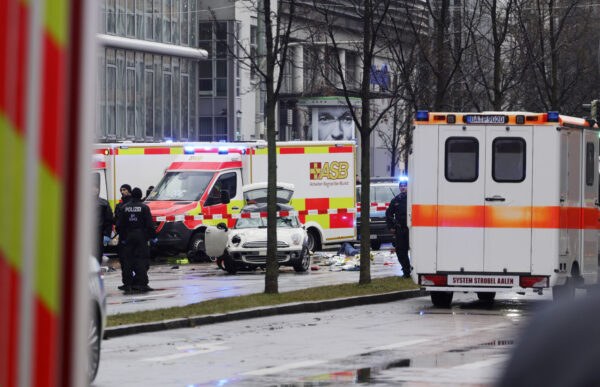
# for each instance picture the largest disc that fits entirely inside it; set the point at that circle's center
(396, 221)
(125, 197)
(134, 224)
(104, 218)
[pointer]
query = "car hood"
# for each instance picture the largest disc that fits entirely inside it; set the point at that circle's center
(260, 234)
(169, 208)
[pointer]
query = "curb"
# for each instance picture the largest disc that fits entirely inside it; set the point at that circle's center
(301, 307)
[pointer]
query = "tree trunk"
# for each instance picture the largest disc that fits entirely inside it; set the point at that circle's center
(271, 284)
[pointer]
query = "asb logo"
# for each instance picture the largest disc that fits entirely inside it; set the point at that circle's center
(334, 170)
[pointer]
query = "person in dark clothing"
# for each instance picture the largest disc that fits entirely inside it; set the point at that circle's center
(104, 216)
(135, 228)
(396, 221)
(125, 197)
(148, 192)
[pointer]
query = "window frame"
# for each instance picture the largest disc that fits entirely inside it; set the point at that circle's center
(589, 166)
(446, 144)
(524, 175)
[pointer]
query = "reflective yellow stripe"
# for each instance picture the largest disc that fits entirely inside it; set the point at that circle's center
(176, 151)
(131, 151)
(316, 149)
(12, 194)
(56, 20)
(49, 239)
(261, 151)
(341, 203)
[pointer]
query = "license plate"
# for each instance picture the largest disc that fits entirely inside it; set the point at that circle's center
(373, 237)
(483, 280)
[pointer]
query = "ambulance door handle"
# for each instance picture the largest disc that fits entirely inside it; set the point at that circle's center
(235, 208)
(495, 198)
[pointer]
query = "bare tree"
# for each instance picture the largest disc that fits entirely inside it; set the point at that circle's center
(334, 21)
(267, 63)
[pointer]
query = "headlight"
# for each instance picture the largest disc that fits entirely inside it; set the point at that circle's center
(235, 240)
(296, 239)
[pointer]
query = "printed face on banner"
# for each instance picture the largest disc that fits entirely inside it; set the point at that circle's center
(335, 123)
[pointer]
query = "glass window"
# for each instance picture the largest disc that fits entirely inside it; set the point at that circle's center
(121, 17)
(157, 97)
(111, 98)
(222, 87)
(193, 24)
(167, 21)
(139, 19)
(226, 182)
(221, 30)
(508, 159)
(175, 21)
(188, 185)
(253, 52)
(157, 20)
(185, 79)
(167, 133)
(385, 194)
(148, 12)
(221, 68)
(589, 163)
(205, 87)
(121, 84)
(139, 95)
(205, 132)
(205, 68)
(130, 19)
(176, 99)
(185, 22)
(220, 128)
(149, 91)
(103, 12)
(462, 159)
(101, 92)
(130, 99)
(111, 17)
(205, 31)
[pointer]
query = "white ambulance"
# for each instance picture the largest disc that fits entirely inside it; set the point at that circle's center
(204, 188)
(503, 202)
(137, 164)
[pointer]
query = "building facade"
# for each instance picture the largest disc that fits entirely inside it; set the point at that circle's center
(148, 70)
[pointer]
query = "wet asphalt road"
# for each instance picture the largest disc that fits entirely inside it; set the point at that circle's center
(405, 343)
(178, 285)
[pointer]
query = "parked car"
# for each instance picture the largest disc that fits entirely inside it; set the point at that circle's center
(97, 321)
(244, 246)
(382, 190)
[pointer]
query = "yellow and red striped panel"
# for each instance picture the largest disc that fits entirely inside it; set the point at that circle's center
(505, 217)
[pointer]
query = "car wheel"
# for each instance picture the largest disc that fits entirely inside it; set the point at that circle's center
(94, 341)
(486, 296)
(195, 253)
(304, 262)
(375, 245)
(441, 299)
(229, 264)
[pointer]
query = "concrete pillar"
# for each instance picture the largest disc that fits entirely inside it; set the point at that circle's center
(297, 69)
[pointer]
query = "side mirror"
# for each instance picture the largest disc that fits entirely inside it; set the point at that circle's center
(225, 199)
(222, 226)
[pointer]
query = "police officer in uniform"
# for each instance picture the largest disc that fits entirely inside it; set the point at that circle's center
(134, 224)
(396, 221)
(125, 197)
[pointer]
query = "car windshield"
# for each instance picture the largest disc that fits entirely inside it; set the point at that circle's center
(184, 185)
(283, 222)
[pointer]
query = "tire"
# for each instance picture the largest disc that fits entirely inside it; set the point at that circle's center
(486, 296)
(229, 264)
(441, 299)
(195, 253)
(314, 241)
(375, 245)
(94, 342)
(304, 262)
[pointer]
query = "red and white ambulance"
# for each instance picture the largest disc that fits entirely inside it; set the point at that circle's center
(204, 187)
(503, 202)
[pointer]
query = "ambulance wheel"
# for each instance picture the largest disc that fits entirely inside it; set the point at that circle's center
(441, 299)
(195, 253)
(314, 240)
(486, 296)
(304, 262)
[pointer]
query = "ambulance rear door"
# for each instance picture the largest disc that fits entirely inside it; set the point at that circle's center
(508, 196)
(460, 198)
(590, 206)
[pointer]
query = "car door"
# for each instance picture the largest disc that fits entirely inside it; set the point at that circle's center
(508, 196)
(227, 181)
(460, 198)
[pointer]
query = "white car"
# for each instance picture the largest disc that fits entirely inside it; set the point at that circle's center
(98, 319)
(245, 245)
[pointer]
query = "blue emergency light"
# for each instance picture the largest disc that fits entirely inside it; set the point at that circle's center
(189, 150)
(553, 116)
(403, 179)
(168, 140)
(422, 115)
(223, 150)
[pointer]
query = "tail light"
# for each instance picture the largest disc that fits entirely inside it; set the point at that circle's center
(433, 279)
(534, 282)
